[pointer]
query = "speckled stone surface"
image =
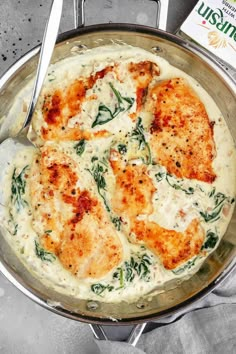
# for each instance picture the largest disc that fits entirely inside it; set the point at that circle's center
(22, 21)
(25, 327)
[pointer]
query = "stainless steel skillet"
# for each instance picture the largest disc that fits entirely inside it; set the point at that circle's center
(211, 76)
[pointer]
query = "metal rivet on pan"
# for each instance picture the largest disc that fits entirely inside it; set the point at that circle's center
(79, 49)
(170, 298)
(157, 49)
(140, 305)
(92, 305)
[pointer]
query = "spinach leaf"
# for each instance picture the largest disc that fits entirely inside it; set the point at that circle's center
(42, 254)
(187, 265)
(18, 185)
(136, 267)
(214, 214)
(122, 148)
(97, 171)
(80, 147)
(178, 186)
(174, 183)
(159, 176)
(105, 114)
(94, 158)
(126, 273)
(212, 192)
(98, 288)
(219, 199)
(138, 135)
(129, 270)
(51, 76)
(117, 222)
(211, 240)
(12, 224)
(120, 99)
(142, 267)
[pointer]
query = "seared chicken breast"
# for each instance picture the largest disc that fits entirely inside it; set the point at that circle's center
(72, 223)
(133, 188)
(172, 247)
(133, 198)
(63, 109)
(182, 135)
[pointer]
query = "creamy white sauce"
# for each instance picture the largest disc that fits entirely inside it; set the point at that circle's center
(167, 200)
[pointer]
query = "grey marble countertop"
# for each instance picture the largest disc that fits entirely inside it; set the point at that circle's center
(25, 327)
(22, 21)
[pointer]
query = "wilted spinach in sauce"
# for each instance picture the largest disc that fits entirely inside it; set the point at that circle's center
(43, 254)
(18, 185)
(98, 170)
(136, 267)
(105, 114)
(80, 147)
(138, 135)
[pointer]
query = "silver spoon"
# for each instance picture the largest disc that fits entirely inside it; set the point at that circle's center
(10, 146)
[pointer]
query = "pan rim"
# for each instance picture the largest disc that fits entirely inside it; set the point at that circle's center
(12, 276)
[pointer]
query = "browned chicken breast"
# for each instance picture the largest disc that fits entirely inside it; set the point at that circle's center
(71, 222)
(182, 135)
(133, 190)
(60, 106)
(133, 195)
(142, 73)
(172, 247)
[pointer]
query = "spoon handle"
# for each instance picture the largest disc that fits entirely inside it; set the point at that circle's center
(48, 43)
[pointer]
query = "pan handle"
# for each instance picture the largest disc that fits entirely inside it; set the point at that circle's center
(135, 334)
(78, 13)
(161, 19)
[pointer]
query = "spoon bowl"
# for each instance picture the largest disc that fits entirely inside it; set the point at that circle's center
(10, 146)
